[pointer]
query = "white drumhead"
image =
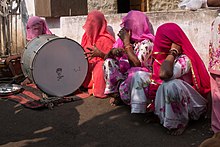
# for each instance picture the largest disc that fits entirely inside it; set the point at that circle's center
(59, 67)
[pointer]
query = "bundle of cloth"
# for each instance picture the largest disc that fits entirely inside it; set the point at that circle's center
(197, 4)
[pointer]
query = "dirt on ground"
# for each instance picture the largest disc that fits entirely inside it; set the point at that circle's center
(89, 122)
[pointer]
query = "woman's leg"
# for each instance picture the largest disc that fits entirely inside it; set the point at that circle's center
(176, 102)
(113, 78)
(133, 91)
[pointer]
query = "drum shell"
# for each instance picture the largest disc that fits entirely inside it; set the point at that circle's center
(30, 52)
(60, 53)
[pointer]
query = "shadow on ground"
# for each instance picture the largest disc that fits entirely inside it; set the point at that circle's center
(89, 122)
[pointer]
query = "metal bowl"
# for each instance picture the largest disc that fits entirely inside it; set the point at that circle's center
(9, 89)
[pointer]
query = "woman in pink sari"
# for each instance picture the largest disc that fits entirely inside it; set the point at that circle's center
(128, 65)
(183, 77)
(35, 27)
(214, 69)
(97, 42)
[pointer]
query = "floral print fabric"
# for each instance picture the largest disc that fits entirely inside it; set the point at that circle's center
(214, 47)
(132, 84)
(214, 69)
(176, 100)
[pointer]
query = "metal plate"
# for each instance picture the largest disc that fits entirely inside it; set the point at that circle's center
(9, 89)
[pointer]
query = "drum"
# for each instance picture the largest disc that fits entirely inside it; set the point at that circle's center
(56, 65)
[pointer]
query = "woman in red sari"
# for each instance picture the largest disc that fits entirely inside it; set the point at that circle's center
(182, 76)
(97, 42)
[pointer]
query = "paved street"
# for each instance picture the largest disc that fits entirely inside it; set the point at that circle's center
(89, 122)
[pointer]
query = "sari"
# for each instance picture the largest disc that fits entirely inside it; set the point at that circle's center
(35, 27)
(165, 36)
(214, 69)
(132, 82)
(96, 34)
(183, 96)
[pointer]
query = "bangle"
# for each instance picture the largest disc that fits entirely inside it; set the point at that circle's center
(175, 50)
(128, 46)
(174, 54)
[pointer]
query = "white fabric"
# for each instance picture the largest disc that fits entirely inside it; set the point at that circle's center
(181, 67)
(193, 4)
(138, 96)
(176, 102)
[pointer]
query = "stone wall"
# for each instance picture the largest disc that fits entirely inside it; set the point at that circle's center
(110, 6)
(163, 5)
(106, 6)
(196, 25)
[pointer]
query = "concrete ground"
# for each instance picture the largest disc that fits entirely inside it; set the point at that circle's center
(89, 122)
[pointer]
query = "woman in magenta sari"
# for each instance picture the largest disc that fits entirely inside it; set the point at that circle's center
(97, 42)
(128, 66)
(183, 77)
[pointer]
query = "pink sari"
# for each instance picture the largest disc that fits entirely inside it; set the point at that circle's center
(96, 34)
(138, 33)
(214, 69)
(171, 33)
(132, 82)
(35, 27)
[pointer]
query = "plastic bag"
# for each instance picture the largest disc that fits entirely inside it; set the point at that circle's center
(193, 4)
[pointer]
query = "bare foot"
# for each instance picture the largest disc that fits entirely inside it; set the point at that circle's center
(25, 82)
(115, 101)
(176, 132)
(112, 101)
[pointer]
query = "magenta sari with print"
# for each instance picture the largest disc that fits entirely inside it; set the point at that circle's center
(132, 82)
(171, 33)
(182, 97)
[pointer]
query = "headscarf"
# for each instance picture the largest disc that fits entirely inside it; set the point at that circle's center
(169, 33)
(138, 23)
(96, 34)
(95, 27)
(34, 31)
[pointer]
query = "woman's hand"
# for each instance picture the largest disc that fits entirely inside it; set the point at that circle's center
(94, 52)
(115, 52)
(166, 69)
(124, 35)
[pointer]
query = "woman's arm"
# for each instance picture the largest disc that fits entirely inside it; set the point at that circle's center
(94, 52)
(133, 59)
(125, 37)
(166, 69)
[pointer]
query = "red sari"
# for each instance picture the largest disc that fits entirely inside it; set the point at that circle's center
(96, 34)
(171, 33)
